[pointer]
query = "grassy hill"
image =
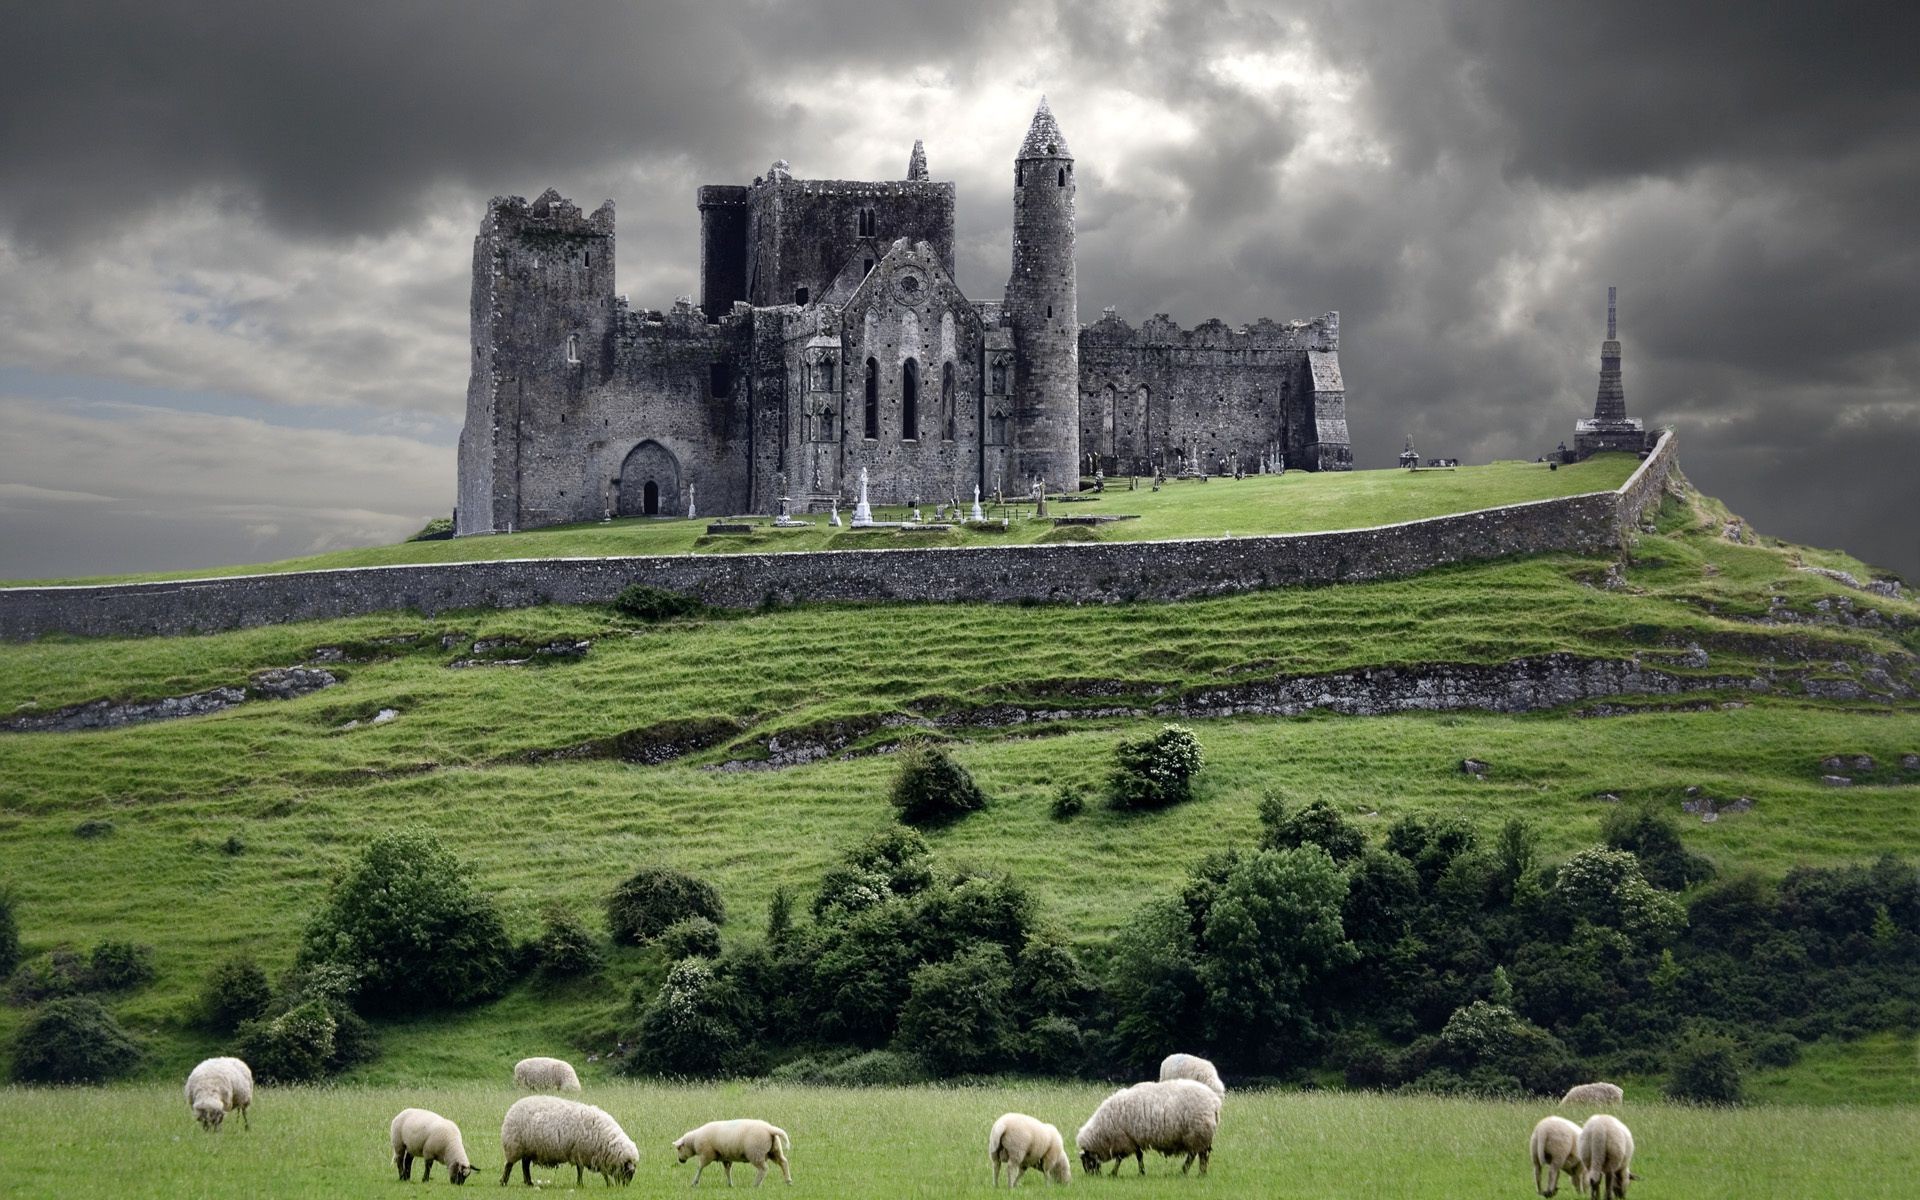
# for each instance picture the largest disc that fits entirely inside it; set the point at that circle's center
(215, 834)
(1296, 502)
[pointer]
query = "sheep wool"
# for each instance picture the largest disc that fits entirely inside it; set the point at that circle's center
(1596, 1095)
(419, 1134)
(553, 1132)
(1554, 1147)
(217, 1087)
(1178, 1116)
(1020, 1142)
(1606, 1156)
(742, 1140)
(545, 1075)
(1192, 1066)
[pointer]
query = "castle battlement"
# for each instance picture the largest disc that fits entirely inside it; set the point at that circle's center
(1160, 330)
(549, 212)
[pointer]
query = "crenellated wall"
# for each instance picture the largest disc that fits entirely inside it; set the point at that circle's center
(1095, 573)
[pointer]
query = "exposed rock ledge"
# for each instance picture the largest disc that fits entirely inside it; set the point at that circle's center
(1522, 685)
(276, 683)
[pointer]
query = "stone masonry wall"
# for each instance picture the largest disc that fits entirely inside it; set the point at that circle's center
(1101, 572)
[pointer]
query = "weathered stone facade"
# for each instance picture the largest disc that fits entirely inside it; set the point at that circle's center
(831, 338)
(1091, 573)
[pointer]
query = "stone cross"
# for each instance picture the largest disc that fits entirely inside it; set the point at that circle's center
(691, 513)
(977, 514)
(862, 511)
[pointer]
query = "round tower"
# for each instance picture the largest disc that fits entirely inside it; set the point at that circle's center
(1044, 312)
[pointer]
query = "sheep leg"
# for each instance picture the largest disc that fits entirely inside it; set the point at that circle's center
(579, 1174)
(246, 1122)
(1185, 1165)
(426, 1176)
(704, 1160)
(1140, 1157)
(1205, 1156)
(726, 1168)
(995, 1159)
(400, 1164)
(760, 1176)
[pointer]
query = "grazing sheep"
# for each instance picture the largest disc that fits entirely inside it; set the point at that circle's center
(417, 1133)
(1606, 1156)
(729, 1142)
(1555, 1146)
(545, 1075)
(1178, 1116)
(553, 1132)
(1020, 1142)
(217, 1086)
(1598, 1095)
(1189, 1066)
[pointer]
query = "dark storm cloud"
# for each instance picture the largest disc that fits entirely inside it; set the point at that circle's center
(1461, 179)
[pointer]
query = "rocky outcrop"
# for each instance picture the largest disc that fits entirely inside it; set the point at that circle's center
(277, 683)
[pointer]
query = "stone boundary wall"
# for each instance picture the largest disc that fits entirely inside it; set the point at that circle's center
(1092, 572)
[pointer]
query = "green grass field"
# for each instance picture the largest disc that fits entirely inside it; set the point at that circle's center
(141, 1141)
(1293, 503)
(294, 797)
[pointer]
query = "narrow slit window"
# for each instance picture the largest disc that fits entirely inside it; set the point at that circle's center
(573, 348)
(873, 399)
(1063, 177)
(866, 222)
(800, 295)
(910, 402)
(946, 397)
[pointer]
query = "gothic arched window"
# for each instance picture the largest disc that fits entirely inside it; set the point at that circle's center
(910, 402)
(946, 397)
(873, 399)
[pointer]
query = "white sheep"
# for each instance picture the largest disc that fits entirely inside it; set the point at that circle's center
(1555, 1147)
(1021, 1142)
(552, 1132)
(545, 1075)
(728, 1142)
(1598, 1095)
(1190, 1066)
(216, 1087)
(1606, 1156)
(1178, 1116)
(418, 1134)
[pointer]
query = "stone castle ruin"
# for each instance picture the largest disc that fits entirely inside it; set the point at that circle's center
(831, 340)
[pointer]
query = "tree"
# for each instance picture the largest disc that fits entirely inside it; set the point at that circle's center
(1318, 824)
(1706, 1068)
(1605, 887)
(957, 1012)
(1654, 839)
(697, 1024)
(235, 993)
(1273, 935)
(408, 921)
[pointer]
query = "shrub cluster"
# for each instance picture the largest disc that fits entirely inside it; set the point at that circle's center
(650, 604)
(566, 947)
(111, 966)
(73, 1040)
(309, 1030)
(655, 898)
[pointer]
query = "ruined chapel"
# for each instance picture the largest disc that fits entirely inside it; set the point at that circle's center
(831, 338)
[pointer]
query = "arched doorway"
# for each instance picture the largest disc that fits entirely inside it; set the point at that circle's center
(650, 482)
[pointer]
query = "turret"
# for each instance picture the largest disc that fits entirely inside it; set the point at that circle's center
(1043, 309)
(917, 163)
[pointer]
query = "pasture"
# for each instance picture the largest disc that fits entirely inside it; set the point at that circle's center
(141, 1141)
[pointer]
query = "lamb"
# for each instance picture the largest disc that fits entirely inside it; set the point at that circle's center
(1597, 1095)
(552, 1132)
(1176, 1116)
(1606, 1156)
(729, 1142)
(417, 1133)
(545, 1075)
(1020, 1142)
(1188, 1066)
(218, 1086)
(1555, 1146)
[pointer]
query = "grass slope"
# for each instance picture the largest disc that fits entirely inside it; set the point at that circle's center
(931, 1142)
(299, 797)
(1293, 503)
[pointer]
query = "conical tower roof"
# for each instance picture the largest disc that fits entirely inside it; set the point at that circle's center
(1044, 139)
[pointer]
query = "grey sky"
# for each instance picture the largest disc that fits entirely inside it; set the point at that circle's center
(235, 238)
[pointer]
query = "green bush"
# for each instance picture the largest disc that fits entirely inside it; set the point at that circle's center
(406, 920)
(780, 916)
(295, 1047)
(643, 603)
(437, 529)
(1053, 1046)
(566, 947)
(929, 787)
(1653, 837)
(94, 827)
(1318, 824)
(118, 966)
(1707, 1068)
(873, 1068)
(1776, 1050)
(73, 1040)
(47, 977)
(697, 1024)
(892, 864)
(1494, 1050)
(695, 937)
(656, 897)
(1068, 802)
(236, 992)
(1155, 772)
(956, 1016)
